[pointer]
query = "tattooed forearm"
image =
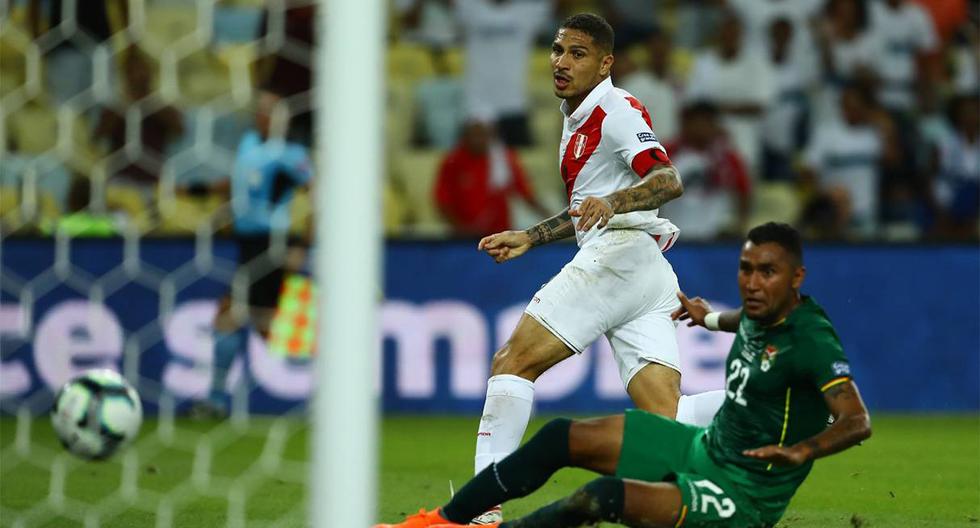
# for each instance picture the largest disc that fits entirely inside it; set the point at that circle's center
(555, 228)
(849, 429)
(662, 185)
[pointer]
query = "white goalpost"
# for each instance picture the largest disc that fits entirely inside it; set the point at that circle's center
(349, 97)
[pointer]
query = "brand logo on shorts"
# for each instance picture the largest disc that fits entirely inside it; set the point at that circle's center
(535, 299)
(580, 141)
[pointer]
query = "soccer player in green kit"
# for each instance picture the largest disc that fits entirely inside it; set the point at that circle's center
(785, 372)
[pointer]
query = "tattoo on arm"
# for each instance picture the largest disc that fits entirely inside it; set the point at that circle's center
(849, 429)
(555, 228)
(662, 185)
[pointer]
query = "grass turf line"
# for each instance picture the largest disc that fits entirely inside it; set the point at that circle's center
(917, 470)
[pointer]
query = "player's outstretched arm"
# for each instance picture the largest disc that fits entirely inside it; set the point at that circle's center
(852, 425)
(696, 310)
(512, 244)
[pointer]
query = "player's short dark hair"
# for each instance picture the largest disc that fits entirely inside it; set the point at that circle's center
(594, 26)
(778, 233)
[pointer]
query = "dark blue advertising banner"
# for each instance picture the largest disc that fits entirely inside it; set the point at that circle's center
(907, 316)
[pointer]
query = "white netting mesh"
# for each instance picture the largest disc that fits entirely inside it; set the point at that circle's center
(126, 121)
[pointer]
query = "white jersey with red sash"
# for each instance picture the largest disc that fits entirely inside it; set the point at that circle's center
(608, 144)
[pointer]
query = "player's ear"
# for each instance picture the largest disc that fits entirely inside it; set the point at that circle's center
(606, 65)
(798, 277)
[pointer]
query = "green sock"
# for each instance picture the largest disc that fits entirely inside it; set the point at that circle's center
(599, 500)
(524, 471)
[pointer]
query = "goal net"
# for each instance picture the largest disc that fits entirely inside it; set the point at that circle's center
(126, 243)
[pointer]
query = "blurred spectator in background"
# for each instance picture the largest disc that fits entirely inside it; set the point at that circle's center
(497, 37)
(965, 56)
(68, 58)
(654, 85)
(158, 128)
(784, 128)
(429, 22)
(956, 188)
(843, 166)
(438, 106)
(267, 172)
(79, 220)
(697, 21)
(849, 51)
(908, 37)
(758, 16)
(633, 19)
(289, 35)
(717, 187)
(739, 81)
(477, 180)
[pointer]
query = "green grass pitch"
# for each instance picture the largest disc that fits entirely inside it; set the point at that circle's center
(917, 470)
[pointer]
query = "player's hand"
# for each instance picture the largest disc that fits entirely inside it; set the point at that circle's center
(594, 210)
(779, 455)
(506, 245)
(691, 310)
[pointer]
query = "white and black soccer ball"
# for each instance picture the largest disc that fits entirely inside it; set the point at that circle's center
(96, 414)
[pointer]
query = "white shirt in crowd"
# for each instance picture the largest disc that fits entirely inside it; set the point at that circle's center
(903, 33)
(748, 79)
(436, 25)
(658, 96)
(959, 162)
(792, 83)
(862, 51)
(846, 156)
(498, 38)
(758, 15)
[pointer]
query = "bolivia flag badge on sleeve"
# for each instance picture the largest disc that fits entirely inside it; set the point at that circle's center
(293, 332)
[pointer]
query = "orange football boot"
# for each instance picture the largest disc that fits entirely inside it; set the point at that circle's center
(422, 519)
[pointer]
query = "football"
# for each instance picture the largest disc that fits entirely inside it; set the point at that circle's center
(96, 414)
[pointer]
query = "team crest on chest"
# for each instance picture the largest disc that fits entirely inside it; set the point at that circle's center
(768, 356)
(581, 140)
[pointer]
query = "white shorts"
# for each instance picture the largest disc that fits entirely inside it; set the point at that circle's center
(619, 285)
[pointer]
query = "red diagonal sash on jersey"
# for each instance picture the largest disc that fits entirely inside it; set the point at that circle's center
(580, 147)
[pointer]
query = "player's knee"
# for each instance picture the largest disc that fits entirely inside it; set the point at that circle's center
(600, 499)
(510, 360)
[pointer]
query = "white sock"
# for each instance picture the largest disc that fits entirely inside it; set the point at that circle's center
(700, 409)
(505, 415)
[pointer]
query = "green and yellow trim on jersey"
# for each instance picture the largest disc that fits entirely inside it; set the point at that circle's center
(834, 382)
(782, 434)
(682, 516)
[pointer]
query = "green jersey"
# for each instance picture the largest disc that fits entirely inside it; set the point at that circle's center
(775, 378)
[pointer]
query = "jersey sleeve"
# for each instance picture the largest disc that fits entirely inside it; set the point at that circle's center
(821, 360)
(633, 141)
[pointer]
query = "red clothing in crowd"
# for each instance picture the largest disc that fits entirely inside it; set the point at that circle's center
(722, 166)
(468, 199)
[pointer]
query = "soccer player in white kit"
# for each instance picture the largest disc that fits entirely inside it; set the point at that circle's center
(617, 174)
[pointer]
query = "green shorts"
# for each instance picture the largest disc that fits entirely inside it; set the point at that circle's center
(657, 449)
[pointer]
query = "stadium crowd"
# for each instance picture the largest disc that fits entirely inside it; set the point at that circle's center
(852, 119)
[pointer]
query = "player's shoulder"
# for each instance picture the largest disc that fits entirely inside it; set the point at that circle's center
(810, 323)
(620, 103)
